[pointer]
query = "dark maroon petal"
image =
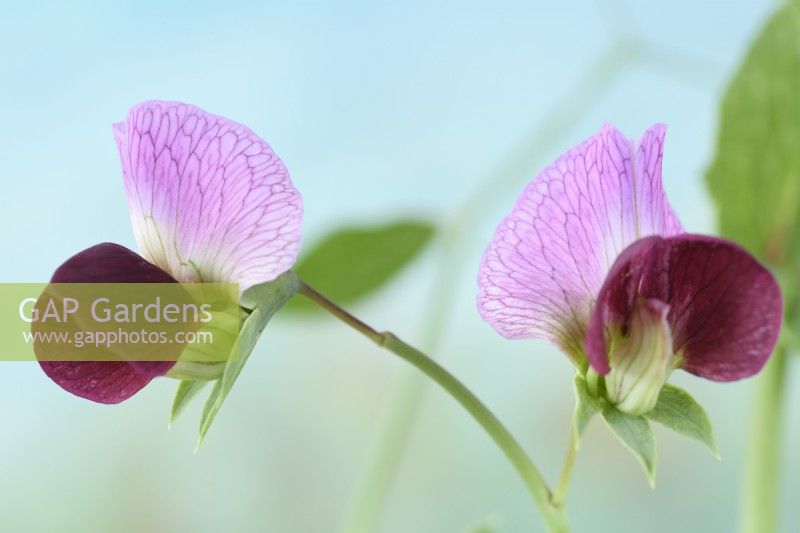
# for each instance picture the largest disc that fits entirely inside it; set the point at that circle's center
(725, 308)
(107, 381)
(102, 382)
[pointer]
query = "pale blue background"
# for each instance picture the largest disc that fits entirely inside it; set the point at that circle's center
(376, 110)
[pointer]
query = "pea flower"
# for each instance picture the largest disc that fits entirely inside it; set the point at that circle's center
(209, 201)
(593, 258)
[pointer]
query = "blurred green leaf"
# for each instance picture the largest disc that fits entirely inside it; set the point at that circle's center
(187, 389)
(586, 406)
(677, 410)
(755, 174)
(635, 433)
(352, 262)
(267, 299)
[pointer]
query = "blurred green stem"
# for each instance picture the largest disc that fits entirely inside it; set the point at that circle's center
(762, 479)
(534, 482)
(560, 493)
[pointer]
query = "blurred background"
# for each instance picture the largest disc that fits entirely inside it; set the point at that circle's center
(379, 112)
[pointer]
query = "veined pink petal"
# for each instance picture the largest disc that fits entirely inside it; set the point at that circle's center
(550, 255)
(725, 309)
(106, 381)
(209, 200)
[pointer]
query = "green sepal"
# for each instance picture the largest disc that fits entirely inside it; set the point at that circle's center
(265, 299)
(636, 435)
(187, 389)
(677, 410)
(586, 406)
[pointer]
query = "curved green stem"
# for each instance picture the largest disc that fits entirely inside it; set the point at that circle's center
(560, 492)
(762, 479)
(534, 482)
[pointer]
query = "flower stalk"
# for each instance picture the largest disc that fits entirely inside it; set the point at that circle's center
(552, 514)
(559, 497)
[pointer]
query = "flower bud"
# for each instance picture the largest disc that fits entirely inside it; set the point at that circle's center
(641, 358)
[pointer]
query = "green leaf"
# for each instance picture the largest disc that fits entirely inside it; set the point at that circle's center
(635, 433)
(586, 406)
(352, 262)
(266, 299)
(755, 174)
(187, 389)
(677, 410)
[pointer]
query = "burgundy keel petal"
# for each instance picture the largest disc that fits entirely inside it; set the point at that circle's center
(108, 381)
(725, 308)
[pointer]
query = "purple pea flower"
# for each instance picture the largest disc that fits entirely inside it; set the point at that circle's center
(209, 202)
(593, 258)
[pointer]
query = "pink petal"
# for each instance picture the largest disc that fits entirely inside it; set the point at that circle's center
(725, 308)
(209, 200)
(550, 255)
(106, 381)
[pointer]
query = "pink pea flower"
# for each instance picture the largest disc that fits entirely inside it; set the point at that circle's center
(593, 259)
(209, 202)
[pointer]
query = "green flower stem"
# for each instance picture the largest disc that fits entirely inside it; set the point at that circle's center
(534, 482)
(762, 479)
(559, 497)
